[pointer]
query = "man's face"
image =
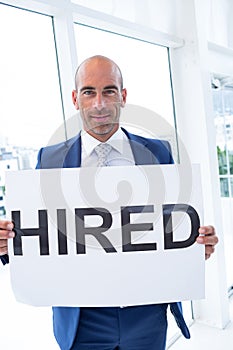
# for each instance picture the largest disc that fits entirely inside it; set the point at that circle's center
(99, 98)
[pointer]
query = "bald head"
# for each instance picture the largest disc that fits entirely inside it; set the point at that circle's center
(96, 63)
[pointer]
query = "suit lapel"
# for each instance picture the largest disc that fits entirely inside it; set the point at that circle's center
(142, 155)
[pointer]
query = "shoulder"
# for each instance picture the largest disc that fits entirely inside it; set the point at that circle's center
(161, 149)
(145, 140)
(53, 156)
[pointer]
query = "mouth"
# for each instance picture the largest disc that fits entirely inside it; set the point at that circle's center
(100, 118)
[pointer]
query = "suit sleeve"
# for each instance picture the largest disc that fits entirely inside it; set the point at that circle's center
(4, 259)
(38, 165)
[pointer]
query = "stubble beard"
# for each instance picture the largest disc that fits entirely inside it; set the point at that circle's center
(102, 128)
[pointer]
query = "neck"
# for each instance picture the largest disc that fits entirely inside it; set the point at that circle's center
(102, 137)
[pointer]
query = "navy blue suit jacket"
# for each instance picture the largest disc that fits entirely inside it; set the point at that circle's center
(68, 155)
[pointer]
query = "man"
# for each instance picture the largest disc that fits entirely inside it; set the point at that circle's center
(99, 96)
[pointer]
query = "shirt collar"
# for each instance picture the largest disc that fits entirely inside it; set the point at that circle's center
(116, 141)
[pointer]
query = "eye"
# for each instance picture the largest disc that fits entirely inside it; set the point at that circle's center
(88, 92)
(110, 92)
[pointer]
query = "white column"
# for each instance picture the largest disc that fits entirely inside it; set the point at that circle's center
(68, 62)
(195, 123)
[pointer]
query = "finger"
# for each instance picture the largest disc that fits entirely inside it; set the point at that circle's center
(6, 228)
(3, 249)
(207, 240)
(6, 225)
(209, 249)
(207, 230)
(5, 234)
(3, 243)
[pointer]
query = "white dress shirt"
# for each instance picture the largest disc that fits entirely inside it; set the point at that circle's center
(120, 154)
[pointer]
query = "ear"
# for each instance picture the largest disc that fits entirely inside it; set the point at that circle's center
(123, 95)
(75, 99)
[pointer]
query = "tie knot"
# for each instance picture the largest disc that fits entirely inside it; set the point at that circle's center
(102, 150)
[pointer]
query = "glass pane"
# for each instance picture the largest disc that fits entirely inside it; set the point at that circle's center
(222, 161)
(217, 102)
(146, 73)
(224, 187)
(228, 99)
(231, 182)
(223, 117)
(30, 105)
(230, 158)
(144, 66)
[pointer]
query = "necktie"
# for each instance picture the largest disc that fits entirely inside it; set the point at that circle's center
(102, 151)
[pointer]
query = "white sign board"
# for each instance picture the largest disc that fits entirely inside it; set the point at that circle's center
(110, 236)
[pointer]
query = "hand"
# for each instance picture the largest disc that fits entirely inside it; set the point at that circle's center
(209, 238)
(6, 232)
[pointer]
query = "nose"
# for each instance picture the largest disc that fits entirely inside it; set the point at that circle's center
(99, 102)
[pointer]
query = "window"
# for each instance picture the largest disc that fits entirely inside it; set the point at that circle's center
(30, 106)
(146, 74)
(223, 118)
(223, 109)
